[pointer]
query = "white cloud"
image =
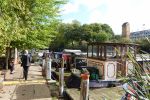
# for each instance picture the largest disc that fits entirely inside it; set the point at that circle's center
(94, 17)
(70, 7)
(69, 20)
(90, 4)
(120, 11)
(73, 6)
(115, 13)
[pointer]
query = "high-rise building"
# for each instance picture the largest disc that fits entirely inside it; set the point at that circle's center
(140, 35)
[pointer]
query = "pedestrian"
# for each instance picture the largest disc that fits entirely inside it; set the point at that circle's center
(51, 55)
(11, 65)
(26, 61)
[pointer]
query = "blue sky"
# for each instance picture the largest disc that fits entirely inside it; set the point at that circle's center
(111, 12)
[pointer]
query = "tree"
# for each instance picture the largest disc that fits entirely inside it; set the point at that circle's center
(59, 42)
(72, 35)
(73, 32)
(96, 27)
(144, 44)
(86, 32)
(116, 38)
(102, 37)
(98, 30)
(125, 40)
(28, 23)
(107, 29)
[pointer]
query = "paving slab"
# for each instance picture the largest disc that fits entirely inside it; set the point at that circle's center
(35, 88)
(114, 93)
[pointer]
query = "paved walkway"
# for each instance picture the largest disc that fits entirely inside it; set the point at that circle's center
(16, 88)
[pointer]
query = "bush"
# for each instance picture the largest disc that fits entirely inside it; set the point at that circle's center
(140, 78)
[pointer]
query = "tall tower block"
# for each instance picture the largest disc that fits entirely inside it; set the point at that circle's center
(126, 30)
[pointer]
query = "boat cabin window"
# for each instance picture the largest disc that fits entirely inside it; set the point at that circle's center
(106, 51)
(111, 52)
(90, 50)
(95, 50)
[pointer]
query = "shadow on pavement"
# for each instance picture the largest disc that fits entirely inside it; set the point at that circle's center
(54, 90)
(31, 91)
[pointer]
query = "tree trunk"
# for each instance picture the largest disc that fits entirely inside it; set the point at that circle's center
(80, 42)
(7, 56)
(16, 56)
(72, 44)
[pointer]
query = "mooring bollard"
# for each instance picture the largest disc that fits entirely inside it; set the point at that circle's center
(61, 82)
(43, 67)
(84, 91)
(1, 83)
(2, 78)
(48, 73)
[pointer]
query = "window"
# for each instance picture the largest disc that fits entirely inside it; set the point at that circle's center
(95, 51)
(90, 51)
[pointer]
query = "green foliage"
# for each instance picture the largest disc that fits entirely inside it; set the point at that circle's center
(144, 44)
(28, 23)
(74, 34)
(120, 39)
(107, 29)
(125, 40)
(140, 75)
(116, 38)
(99, 32)
(86, 32)
(58, 41)
(102, 37)
(96, 27)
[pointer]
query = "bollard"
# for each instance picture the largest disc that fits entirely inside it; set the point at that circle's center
(43, 67)
(43, 63)
(48, 73)
(62, 63)
(46, 67)
(4, 74)
(1, 83)
(61, 81)
(84, 91)
(2, 79)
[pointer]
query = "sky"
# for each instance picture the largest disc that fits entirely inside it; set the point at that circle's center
(111, 12)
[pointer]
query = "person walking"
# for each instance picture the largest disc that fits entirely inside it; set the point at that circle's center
(11, 65)
(26, 61)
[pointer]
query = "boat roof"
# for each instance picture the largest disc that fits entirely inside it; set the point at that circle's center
(72, 51)
(77, 52)
(58, 52)
(100, 43)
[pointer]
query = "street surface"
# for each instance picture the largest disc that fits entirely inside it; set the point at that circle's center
(35, 88)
